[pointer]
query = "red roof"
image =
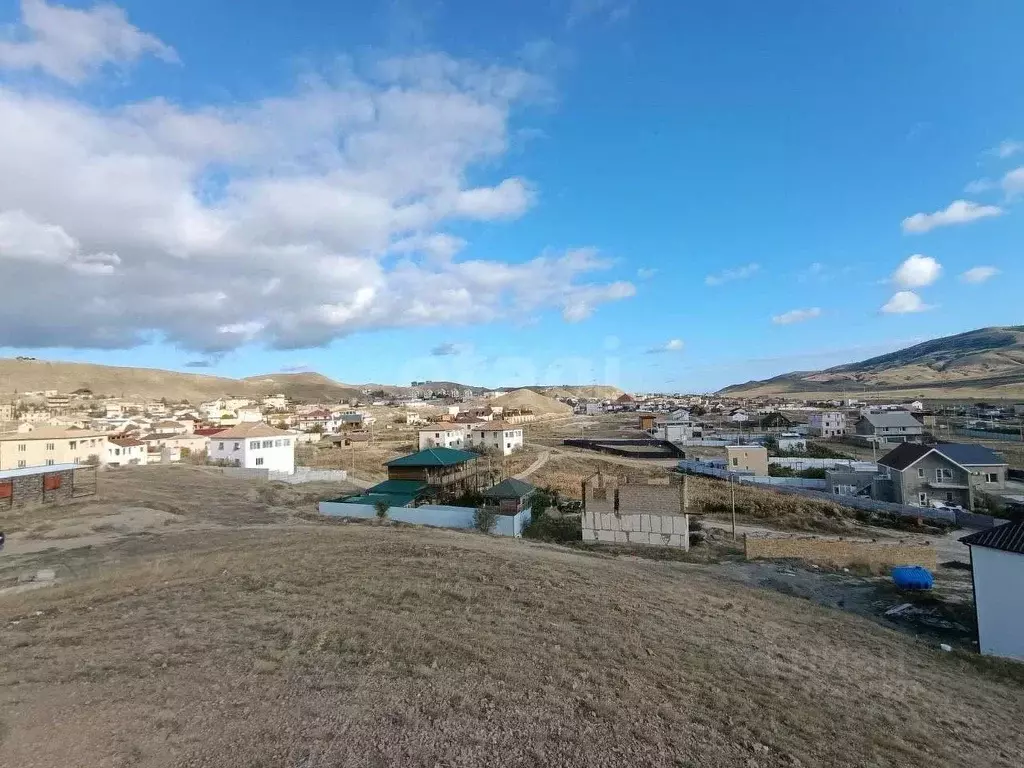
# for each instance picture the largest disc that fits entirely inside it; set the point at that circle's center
(625, 399)
(210, 431)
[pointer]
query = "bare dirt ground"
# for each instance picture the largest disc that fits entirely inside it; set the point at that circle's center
(202, 620)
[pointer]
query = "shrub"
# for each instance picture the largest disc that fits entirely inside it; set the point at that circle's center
(381, 508)
(561, 530)
(485, 518)
(543, 499)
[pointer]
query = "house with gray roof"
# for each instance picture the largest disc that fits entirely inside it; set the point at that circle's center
(890, 427)
(949, 473)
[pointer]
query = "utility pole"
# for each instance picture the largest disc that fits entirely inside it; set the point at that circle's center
(732, 492)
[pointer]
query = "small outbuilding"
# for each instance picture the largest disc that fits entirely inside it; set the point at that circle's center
(511, 496)
(997, 568)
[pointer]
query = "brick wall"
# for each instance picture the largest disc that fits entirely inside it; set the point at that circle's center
(877, 556)
(35, 489)
(646, 514)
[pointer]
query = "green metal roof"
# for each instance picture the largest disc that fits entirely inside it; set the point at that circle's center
(433, 457)
(509, 489)
(391, 499)
(400, 487)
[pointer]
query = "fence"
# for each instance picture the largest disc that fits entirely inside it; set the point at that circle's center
(302, 474)
(799, 463)
(436, 515)
(855, 502)
(982, 434)
(789, 482)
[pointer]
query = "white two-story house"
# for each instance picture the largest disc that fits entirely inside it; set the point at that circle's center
(255, 445)
(828, 424)
(498, 434)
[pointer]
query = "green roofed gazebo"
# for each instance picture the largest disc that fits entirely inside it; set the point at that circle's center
(511, 495)
(443, 469)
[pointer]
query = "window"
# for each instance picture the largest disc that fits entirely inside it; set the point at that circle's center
(22, 447)
(49, 462)
(21, 464)
(254, 444)
(72, 444)
(991, 477)
(508, 445)
(735, 462)
(922, 499)
(287, 442)
(259, 462)
(920, 472)
(943, 474)
(949, 496)
(49, 446)
(268, 443)
(237, 446)
(277, 443)
(220, 446)
(117, 451)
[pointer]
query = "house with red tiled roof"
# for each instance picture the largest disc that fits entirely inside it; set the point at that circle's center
(255, 445)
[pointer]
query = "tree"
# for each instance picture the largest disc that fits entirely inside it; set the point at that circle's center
(485, 518)
(381, 507)
(316, 429)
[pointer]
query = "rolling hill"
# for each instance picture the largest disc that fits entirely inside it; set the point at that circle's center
(30, 375)
(988, 362)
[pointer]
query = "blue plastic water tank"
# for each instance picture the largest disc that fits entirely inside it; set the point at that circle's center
(912, 577)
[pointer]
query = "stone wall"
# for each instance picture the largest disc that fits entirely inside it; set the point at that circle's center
(634, 513)
(840, 553)
(28, 490)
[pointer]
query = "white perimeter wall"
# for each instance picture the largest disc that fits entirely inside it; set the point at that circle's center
(665, 530)
(998, 577)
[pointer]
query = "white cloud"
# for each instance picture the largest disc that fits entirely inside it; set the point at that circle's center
(979, 274)
(646, 273)
(917, 271)
(672, 345)
(72, 44)
(1007, 148)
(607, 10)
(729, 275)
(288, 222)
(905, 302)
(797, 316)
(957, 212)
(979, 186)
(1013, 182)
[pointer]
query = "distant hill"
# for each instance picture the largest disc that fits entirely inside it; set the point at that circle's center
(587, 391)
(152, 383)
(533, 401)
(988, 362)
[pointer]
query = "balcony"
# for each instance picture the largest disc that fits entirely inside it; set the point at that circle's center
(947, 484)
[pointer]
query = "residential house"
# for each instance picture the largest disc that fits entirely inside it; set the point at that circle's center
(747, 458)
(125, 451)
(499, 435)
(356, 420)
(738, 415)
(678, 432)
(442, 469)
(442, 436)
(948, 473)
(890, 427)
(997, 570)
(850, 482)
(170, 446)
(168, 427)
(255, 445)
(320, 420)
(275, 402)
(249, 415)
(827, 424)
(48, 446)
(511, 496)
(594, 409)
(6, 412)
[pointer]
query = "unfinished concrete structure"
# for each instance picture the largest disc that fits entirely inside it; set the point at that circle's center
(620, 511)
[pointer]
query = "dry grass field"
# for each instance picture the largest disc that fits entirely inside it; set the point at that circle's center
(365, 645)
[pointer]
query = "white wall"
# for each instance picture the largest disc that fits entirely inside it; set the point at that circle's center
(998, 577)
(278, 456)
(444, 437)
(505, 441)
(436, 515)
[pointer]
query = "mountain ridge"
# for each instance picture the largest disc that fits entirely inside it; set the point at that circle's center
(985, 360)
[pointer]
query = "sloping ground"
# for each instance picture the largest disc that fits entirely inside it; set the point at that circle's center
(593, 391)
(527, 398)
(31, 375)
(366, 646)
(988, 360)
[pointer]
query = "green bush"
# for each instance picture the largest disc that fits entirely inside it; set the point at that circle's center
(381, 508)
(561, 530)
(485, 518)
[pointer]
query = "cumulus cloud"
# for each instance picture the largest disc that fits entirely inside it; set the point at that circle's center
(797, 316)
(917, 271)
(71, 44)
(1007, 148)
(729, 275)
(979, 274)
(672, 345)
(286, 222)
(1013, 182)
(957, 212)
(905, 302)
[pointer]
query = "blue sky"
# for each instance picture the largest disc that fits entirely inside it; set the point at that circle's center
(659, 195)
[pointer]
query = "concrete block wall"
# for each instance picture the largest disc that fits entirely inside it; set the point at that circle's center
(648, 515)
(840, 553)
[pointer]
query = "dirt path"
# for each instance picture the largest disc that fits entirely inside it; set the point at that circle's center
(537, 464)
